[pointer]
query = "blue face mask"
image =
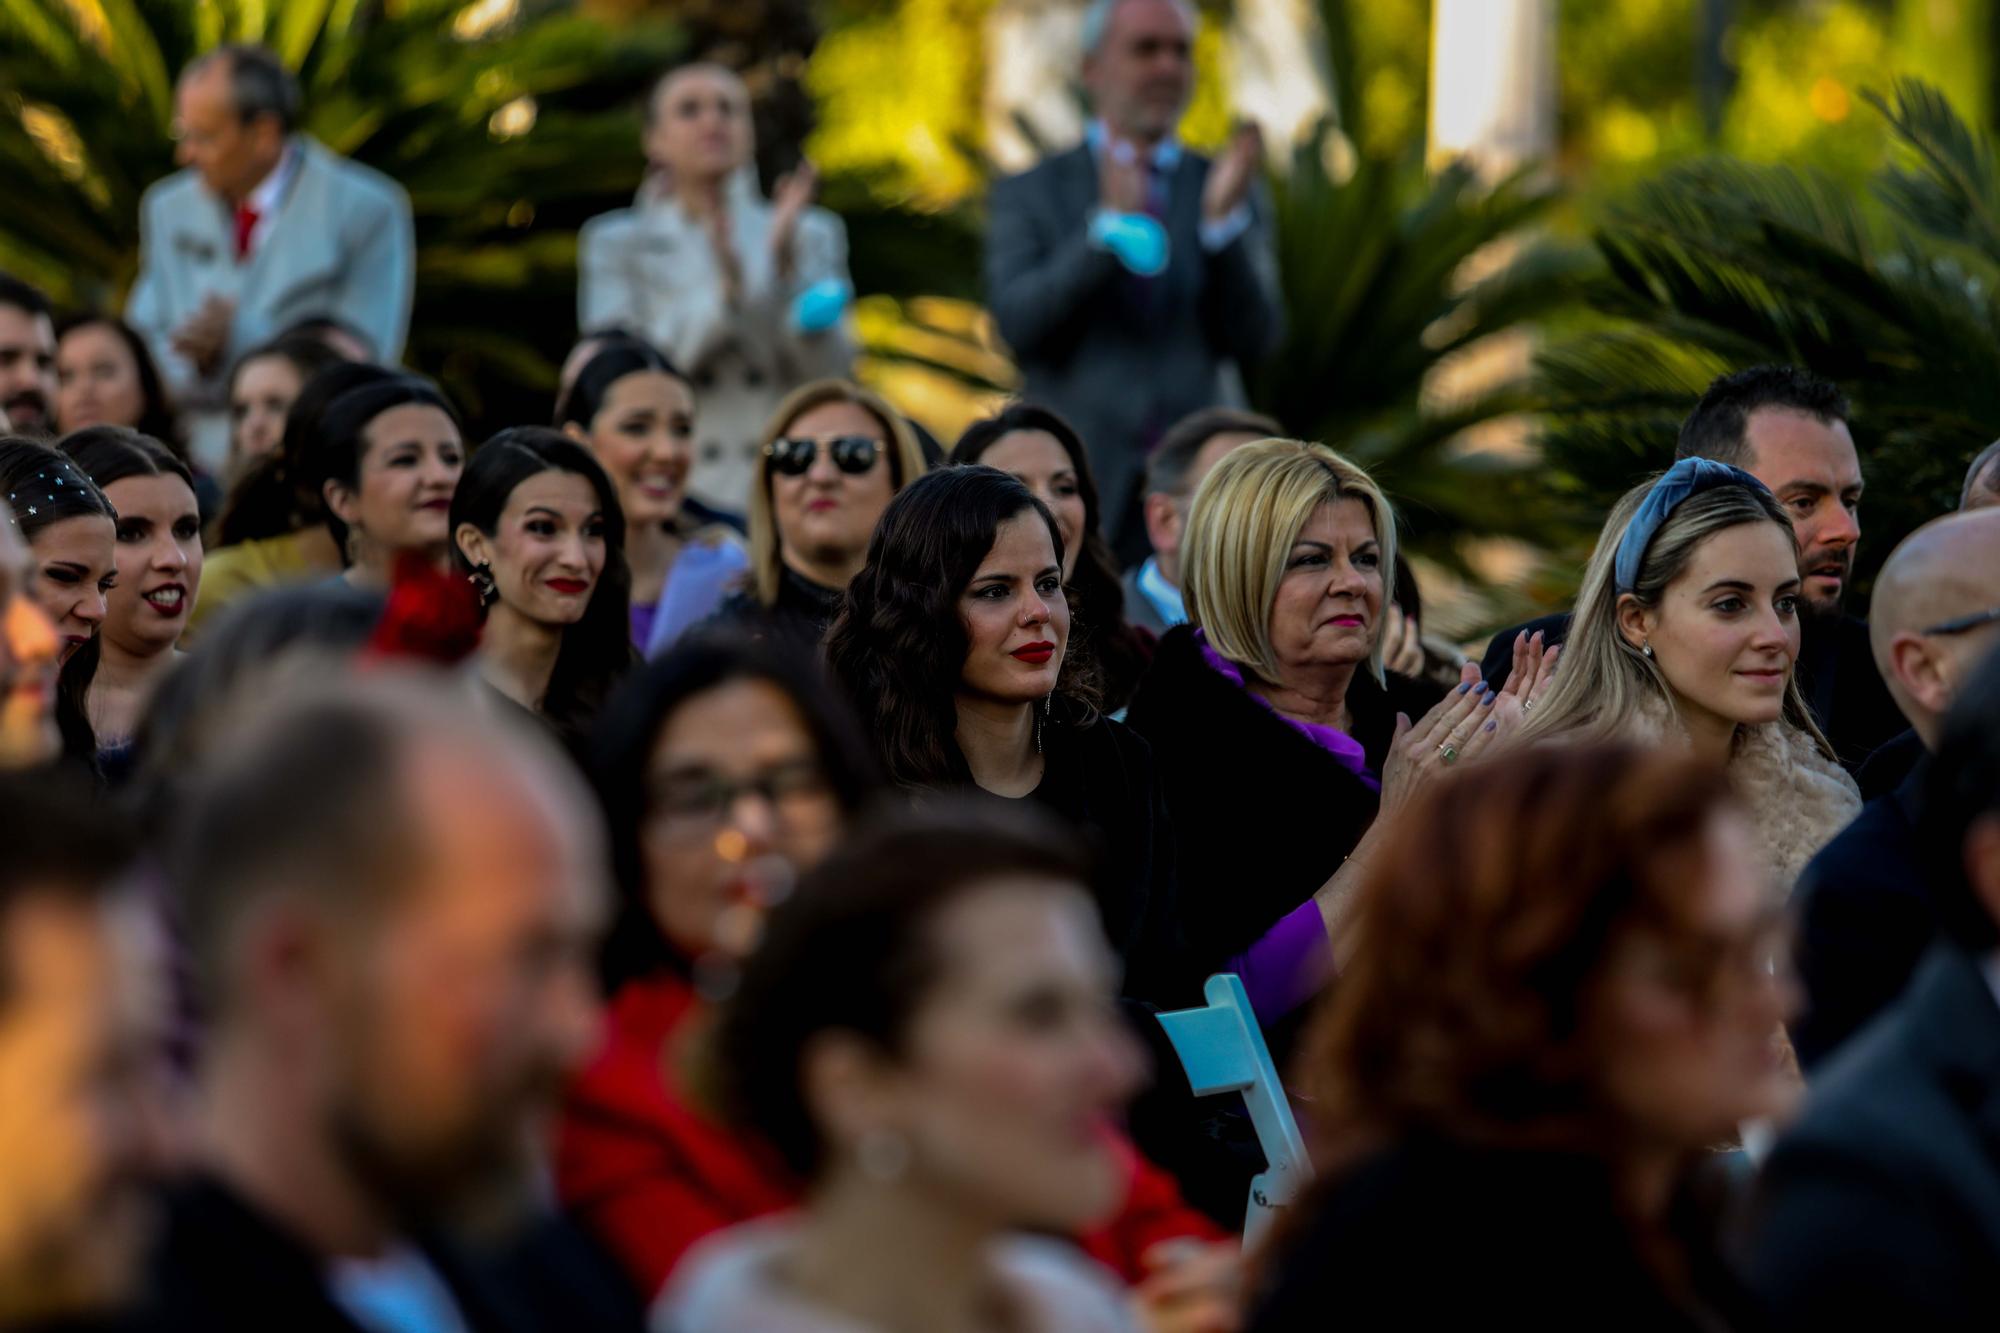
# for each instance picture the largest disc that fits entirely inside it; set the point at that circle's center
(820, 306)
(1136, 240)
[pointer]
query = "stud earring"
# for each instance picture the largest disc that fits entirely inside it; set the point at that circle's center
(481, 579)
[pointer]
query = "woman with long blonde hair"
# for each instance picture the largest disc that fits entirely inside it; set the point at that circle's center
(1687, 632)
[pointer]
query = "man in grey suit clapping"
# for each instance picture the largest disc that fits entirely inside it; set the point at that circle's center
(1132, 278)
(264, 229)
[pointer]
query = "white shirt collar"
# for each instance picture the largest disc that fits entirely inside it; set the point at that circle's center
(1166, 153)
(270, 191)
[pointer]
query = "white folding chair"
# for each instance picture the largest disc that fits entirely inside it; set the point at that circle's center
(1222, 1049)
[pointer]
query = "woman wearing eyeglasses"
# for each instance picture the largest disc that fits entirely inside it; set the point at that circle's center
(727, 769)
(834, 455)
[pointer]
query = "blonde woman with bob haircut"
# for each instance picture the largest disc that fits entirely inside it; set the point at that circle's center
(1687, 634)
(1277, 733)
(832, 457)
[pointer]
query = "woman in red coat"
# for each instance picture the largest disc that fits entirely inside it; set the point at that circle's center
(725, 769)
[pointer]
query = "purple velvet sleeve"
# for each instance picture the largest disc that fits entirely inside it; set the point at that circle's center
(1289, 965)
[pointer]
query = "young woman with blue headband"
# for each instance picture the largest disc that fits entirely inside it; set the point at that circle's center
(1687, 633)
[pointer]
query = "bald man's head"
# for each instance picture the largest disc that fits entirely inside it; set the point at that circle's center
(1945, 572)
(1982, 480)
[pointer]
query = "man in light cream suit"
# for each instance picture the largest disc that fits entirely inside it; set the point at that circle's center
(263, 229)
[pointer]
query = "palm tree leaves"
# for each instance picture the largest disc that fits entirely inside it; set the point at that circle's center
(1390, 273)
(1717, 265)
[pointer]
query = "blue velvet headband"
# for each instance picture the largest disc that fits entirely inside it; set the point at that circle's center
(1688, 477)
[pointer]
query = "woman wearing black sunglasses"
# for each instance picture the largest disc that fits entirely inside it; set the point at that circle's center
(834, 456)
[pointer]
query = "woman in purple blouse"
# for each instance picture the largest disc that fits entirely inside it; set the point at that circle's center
(1277, 734)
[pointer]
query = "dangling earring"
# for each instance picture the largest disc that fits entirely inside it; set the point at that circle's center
(1647, 649)
(481, 579)
(883, 1155)
(1042, 717)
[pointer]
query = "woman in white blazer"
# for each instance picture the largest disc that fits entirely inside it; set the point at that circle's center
(748, 295)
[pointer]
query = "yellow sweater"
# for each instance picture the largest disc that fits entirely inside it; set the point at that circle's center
(248, 567)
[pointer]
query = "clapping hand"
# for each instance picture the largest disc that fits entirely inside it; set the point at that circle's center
(204, 336)
(1231, 175)
(1533, 672)
(716, 222)
(1457, 731)
(789, 201)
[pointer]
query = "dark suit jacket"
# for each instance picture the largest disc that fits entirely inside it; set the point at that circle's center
(1123, 359)
(223, 1266)
(1865, 919)
(1880, 1209)
(1837, 675)
(1139, 608)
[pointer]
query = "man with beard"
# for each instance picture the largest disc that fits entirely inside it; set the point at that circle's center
(82, 1125)
(27, 359)
(1788, 429)
(392, 905)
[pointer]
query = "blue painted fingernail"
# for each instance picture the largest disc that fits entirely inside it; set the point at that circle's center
(1491, 725)
(1481, 689)
(1488, 702)
(1464, 685)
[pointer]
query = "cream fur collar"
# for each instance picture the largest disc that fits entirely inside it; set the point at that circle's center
(1797, 798)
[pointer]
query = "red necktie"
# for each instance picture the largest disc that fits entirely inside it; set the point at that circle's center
(246, 222)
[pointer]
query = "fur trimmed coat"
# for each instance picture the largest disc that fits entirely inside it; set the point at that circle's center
(1797, 799)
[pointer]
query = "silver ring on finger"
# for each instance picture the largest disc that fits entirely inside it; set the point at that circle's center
(1527, 705)
(1449, 751)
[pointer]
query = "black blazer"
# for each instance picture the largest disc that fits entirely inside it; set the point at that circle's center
(1432, 1235)
(1101, 779)
(1880, 1209)
(1262, 816)
(1837, 675)
(223, 1266)
(1866, 916)
(1122, 358)
(795, 623)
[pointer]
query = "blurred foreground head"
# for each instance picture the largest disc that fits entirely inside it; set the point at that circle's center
(929, 1023)
(1581, 961)
(392, 901)
(80, 1121)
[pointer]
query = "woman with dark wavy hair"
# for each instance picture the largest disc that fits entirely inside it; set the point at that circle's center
(1549, 1021)
(953, 643)
(1046, 454)
(537, 531)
